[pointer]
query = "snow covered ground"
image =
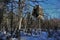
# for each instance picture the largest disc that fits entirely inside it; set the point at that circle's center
(44, 35)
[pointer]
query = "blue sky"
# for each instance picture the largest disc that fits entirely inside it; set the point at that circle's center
(50, 7)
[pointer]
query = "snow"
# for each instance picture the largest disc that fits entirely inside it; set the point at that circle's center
(42, 36)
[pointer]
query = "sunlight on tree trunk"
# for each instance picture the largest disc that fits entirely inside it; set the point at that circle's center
(20, 23)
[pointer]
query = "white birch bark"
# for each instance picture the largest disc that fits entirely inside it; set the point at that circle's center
(20, 23)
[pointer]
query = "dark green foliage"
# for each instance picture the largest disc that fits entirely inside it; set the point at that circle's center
(5, 1)
(1, 0)
(36, 11)
(1, 15)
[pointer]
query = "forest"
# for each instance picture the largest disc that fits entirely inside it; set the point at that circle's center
(20, 16)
